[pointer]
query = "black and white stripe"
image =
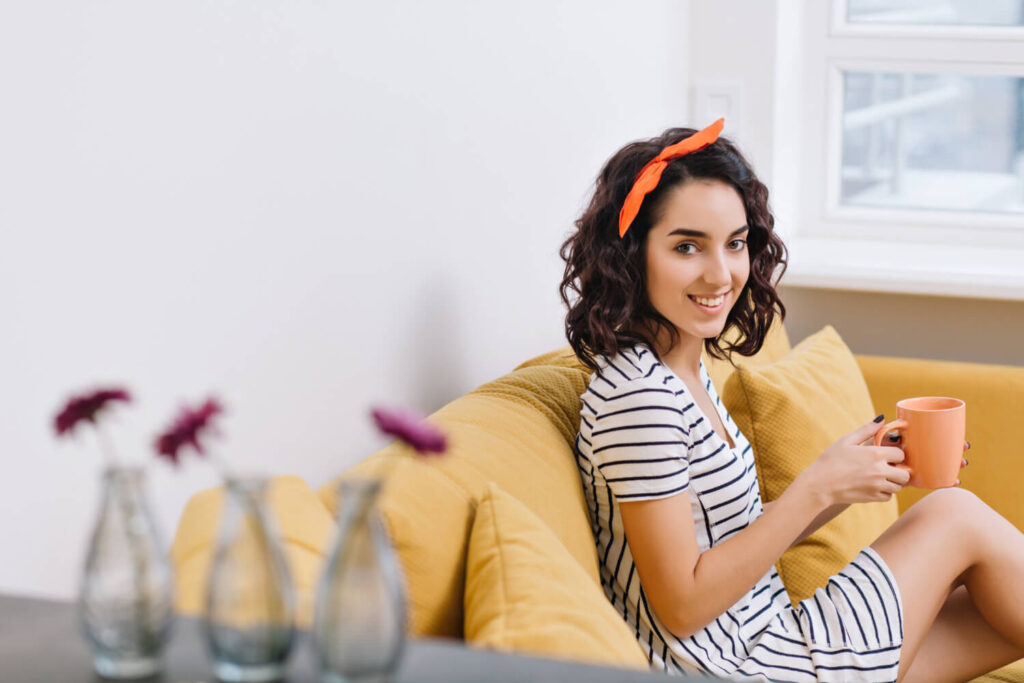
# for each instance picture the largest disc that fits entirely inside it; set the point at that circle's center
(643, 437)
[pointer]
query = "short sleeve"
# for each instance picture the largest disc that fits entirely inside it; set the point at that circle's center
(639, 440)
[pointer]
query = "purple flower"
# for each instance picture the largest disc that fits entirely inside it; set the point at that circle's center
(84, 408)
(411, 429)
(185, 430)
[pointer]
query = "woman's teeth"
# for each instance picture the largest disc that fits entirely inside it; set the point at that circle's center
(710, 303)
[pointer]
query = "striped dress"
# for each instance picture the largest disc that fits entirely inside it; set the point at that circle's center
(643, 437)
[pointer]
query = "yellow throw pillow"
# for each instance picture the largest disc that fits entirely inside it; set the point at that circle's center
(526, 593)
(791, 411)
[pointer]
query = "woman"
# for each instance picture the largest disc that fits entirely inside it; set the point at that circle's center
(676, 248)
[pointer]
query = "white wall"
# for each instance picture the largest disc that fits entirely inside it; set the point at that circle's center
(750, 47)
(735, 46)
(304, 207)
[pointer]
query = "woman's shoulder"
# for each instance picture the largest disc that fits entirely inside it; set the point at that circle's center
(631, 364)
(633, 377)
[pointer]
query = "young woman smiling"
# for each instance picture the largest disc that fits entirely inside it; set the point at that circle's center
(676, 248)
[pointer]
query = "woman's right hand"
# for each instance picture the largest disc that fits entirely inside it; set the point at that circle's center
(854, 470)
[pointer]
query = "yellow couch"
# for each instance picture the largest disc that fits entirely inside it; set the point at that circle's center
(517, 432)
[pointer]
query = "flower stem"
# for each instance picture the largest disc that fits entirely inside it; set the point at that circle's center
(106, 446)
(128, 493)
(220, 464)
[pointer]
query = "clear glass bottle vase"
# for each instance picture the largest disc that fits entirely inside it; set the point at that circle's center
(360, 613)
(250, 604)
(126, 595)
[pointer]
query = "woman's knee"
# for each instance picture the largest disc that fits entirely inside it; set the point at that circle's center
(954, 508)
(952, 498)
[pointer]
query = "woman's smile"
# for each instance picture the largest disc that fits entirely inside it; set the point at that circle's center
(711, 305)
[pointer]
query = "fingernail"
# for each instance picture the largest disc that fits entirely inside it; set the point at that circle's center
(957, 482)
(968, 444)
(966, 461)
(881, 416)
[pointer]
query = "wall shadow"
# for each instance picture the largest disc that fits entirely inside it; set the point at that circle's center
(435, 345)
(912, 326)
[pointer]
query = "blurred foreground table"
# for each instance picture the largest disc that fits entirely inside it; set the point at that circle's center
(40, 641)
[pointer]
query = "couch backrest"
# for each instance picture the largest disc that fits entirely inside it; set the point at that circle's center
(517, 431)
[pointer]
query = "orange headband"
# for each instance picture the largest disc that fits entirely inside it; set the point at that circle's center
(650, 174)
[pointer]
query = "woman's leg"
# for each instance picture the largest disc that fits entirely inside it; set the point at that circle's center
(951, 538)
(959, 646)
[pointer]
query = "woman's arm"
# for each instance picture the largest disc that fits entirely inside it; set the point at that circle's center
(834, 511)
(688, 589)
(823, 518)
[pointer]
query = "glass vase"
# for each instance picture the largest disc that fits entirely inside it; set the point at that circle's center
(250, 605)
(360, 612)
(125, 600)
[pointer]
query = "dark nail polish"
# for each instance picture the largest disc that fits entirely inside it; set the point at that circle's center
(881, 416)
(968, 444)
(966, 461)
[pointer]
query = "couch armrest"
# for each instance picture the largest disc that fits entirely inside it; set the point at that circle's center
(995, 426)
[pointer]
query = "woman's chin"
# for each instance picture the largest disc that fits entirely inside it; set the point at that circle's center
(705, 331)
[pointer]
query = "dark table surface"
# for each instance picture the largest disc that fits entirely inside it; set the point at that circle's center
(40, 642)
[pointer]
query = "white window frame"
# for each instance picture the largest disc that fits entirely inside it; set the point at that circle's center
(900, 250)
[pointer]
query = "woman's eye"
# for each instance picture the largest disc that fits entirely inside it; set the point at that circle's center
(686, 248)
(739, 244)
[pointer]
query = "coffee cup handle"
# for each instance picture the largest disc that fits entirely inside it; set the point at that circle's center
(884, 429)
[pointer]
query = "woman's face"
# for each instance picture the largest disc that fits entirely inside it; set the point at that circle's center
(697, 260)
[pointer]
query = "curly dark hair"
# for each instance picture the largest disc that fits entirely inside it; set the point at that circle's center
(604, 285)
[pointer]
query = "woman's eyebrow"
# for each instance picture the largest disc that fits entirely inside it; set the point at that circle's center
(697, 233)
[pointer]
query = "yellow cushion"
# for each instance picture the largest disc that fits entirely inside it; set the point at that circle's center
(791, 411)
(1012, 673)
(305, 528)
(526, 593)
(513, 431)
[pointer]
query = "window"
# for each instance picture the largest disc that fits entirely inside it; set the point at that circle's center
(912, 157)
(932, 13)
(953, 142)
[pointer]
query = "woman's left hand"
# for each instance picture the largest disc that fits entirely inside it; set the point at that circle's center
(893, 439)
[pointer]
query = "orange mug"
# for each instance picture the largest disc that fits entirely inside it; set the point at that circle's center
(932, 429)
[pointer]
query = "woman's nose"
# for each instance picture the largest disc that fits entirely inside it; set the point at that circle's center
(717, 272)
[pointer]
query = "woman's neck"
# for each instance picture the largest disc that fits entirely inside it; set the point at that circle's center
(683, 358)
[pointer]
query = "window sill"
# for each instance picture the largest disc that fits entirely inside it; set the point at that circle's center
(941, 270)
